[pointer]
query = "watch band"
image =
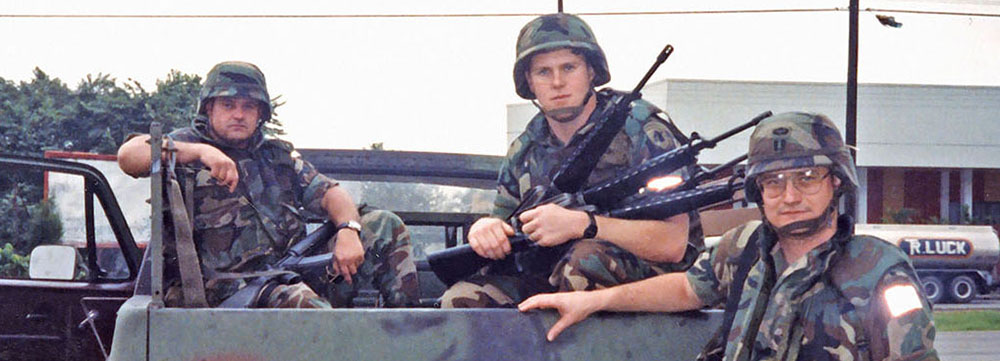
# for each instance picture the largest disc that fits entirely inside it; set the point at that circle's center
(352, 224)
(591, 230)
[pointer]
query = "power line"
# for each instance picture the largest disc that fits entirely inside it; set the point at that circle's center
(473, 15)
(989, 15)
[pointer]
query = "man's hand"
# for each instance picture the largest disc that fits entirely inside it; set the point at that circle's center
(573, 307)
(223, 168)
(348, 254)
(488, 238)
(551, 225)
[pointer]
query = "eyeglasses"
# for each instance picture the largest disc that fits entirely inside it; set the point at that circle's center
(808, 182)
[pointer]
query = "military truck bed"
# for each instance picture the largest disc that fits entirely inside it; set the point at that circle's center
(401, 334)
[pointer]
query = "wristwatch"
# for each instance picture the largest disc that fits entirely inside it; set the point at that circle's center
(352, 224)
(591, 230)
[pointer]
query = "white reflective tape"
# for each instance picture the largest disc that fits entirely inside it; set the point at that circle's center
(901, 299)
(664, 183)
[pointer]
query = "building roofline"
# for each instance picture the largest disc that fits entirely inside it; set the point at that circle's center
(785, 82)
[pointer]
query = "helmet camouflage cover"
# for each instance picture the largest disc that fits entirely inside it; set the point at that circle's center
(554, 31)
(235, 78)
(797, 140)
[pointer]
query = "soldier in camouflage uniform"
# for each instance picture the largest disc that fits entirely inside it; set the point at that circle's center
(252, 194)
(558, 65)
(799, 285)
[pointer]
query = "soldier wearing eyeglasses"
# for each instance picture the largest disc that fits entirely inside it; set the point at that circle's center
(798, 285)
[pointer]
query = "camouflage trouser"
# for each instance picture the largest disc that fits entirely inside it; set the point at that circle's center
(589, 264)
(297, 295)
(388, 264)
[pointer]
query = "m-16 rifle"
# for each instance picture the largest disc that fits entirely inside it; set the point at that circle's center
(456, 263)
(287, 270)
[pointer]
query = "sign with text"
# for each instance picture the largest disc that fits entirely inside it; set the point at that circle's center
(936, 247)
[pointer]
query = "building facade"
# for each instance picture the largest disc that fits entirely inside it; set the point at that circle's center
(925, 153)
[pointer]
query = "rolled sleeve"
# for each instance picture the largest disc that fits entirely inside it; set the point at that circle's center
(704, 281)
(903, 323)
(314, 186)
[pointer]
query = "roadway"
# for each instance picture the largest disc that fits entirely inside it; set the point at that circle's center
(969, 345)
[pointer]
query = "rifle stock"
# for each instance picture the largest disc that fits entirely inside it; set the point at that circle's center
(456, 263)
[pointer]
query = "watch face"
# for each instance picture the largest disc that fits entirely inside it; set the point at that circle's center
(352, 225)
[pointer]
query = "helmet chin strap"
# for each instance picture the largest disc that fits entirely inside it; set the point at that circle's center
(809, 227)
(565, 114)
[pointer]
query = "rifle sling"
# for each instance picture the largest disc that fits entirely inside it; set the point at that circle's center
(573, 174)
(747, 259)
(683, 139)
(254, 274)
(192, 284)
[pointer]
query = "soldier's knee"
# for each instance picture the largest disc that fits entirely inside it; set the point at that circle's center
(586, 254)
(469, 295)
(381, 218)
(386, 228)
(586, 266)
(457, 295)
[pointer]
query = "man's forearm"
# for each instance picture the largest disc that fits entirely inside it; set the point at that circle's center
(339, 206)
(654, 240)
(664, 293)
(135, 158)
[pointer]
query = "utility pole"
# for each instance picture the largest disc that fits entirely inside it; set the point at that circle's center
(851, 201)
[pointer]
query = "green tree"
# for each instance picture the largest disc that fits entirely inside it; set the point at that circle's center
(45, 114)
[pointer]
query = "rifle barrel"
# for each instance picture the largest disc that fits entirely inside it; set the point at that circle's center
(753, 122)
(606, 194)
(712, 173)
(660, 59)
(671, 204)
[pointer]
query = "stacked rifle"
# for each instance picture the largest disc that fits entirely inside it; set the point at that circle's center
(616, 198)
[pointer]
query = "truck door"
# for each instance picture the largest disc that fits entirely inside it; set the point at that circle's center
(68, 207)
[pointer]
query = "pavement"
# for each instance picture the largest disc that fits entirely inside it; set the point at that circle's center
(968, 346)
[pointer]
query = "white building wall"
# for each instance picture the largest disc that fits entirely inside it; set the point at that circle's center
(929, 126)
(898, 125)
(518, 116)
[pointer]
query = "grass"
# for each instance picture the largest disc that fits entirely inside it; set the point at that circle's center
(972, 320)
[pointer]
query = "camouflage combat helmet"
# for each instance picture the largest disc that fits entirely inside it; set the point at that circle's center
(553, 31)
(797, 140)
(235, 78)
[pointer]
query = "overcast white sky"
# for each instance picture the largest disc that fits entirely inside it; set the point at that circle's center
(442, 83)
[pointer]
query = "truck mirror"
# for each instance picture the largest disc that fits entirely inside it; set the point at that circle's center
(52, 262)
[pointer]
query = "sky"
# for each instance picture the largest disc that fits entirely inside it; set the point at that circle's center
(442, 83)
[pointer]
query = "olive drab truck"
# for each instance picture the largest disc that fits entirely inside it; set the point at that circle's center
(954, 263)
(147, 330)
(81, 304)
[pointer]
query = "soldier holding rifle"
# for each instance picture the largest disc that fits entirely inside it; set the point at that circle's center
(798, 286)
(251, 197)
(558, 66)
